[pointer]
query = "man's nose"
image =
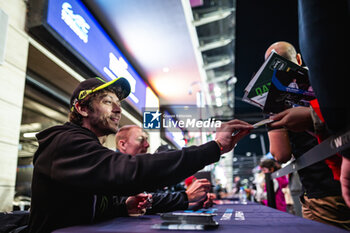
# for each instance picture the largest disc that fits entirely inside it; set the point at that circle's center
(146, 144)
(117, 108)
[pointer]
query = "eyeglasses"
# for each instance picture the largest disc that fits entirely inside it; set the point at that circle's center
(142, 139)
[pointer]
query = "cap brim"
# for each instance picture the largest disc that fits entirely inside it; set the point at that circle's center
(118, 82)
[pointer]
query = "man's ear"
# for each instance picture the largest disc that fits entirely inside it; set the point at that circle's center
(299, 59)
(121, 145)
(82, 110)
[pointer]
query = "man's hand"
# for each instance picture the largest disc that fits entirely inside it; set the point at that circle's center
(198, 190)
(224, 133)
(295, 119)
(345, 180)
(195, 205)
(210, 200)
(206, 203)
(137, 205)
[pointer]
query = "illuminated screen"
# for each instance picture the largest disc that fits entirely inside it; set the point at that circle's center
(82, 34)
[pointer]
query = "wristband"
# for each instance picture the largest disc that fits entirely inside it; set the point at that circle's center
(219, 144)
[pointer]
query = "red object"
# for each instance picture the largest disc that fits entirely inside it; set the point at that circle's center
(190, 180)
(316, 107)
(333, 162)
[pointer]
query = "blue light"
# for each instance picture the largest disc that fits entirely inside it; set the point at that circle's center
(73, 22)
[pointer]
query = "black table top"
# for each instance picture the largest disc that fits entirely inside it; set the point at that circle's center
(242, 218)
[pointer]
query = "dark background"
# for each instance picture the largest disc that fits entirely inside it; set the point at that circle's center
(258, 25)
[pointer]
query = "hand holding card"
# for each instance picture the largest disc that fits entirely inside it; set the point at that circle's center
(263, 122)
(256, 125)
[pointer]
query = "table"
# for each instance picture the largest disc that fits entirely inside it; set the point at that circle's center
(244, 218)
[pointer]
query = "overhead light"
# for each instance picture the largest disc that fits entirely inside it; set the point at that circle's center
(252, 136)
(31, 127)
(233, 80)
(166, 69)
(234, 159)
(248, 153)
(30, 135)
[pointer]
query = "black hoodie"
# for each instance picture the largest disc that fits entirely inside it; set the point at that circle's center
(75, 176)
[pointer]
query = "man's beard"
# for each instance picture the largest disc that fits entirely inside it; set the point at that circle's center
(105, 125)
(143, 151)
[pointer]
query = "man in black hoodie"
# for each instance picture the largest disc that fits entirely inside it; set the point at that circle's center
(75, 178)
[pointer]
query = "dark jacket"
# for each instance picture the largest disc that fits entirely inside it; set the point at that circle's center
(75, 176)
(167, 202)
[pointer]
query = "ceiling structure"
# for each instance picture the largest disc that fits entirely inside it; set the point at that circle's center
(178, 48)
(155, 36)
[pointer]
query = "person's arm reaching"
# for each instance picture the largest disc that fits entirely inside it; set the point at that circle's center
(280, 146)
(129, 175)
(224, 137)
